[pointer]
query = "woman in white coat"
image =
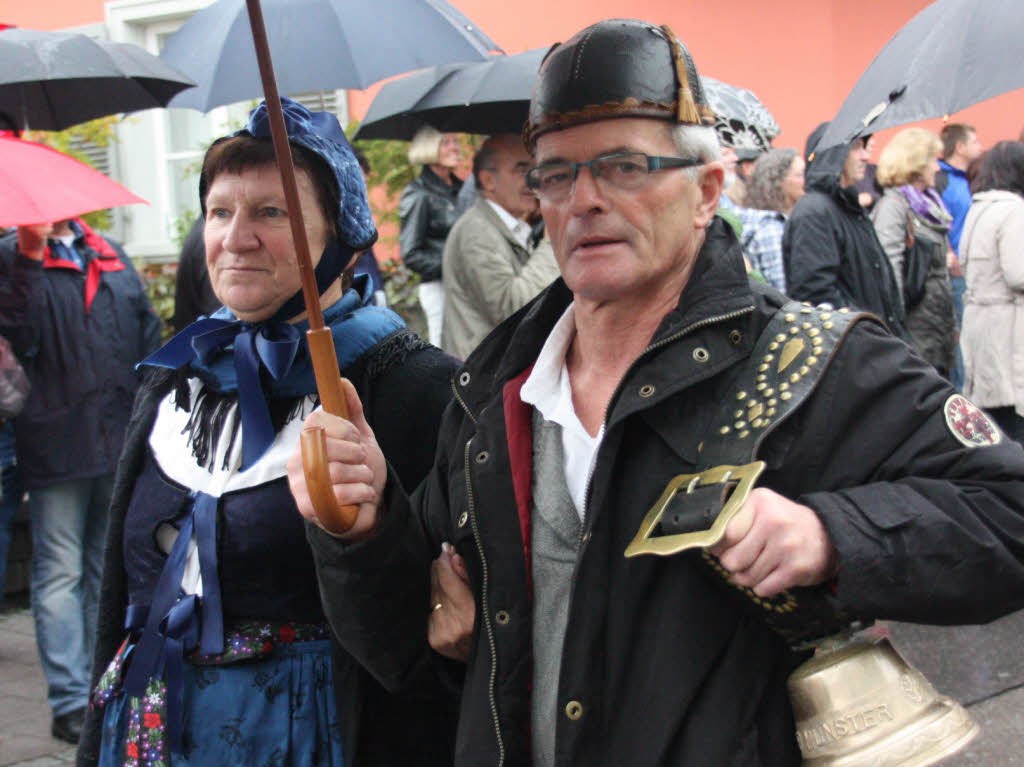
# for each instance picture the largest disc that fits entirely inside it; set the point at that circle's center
(992, 249)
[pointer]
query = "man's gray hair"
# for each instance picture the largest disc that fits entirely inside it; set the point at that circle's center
(698, 141)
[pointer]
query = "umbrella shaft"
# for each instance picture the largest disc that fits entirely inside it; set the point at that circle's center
(284, 162)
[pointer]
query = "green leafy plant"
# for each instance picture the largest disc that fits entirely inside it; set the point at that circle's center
(400, 286)
(181, 226)
(159, 281)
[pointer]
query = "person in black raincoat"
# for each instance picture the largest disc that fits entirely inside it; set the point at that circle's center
(829, 246)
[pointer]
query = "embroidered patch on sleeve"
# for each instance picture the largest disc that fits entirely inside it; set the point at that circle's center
(969, 424)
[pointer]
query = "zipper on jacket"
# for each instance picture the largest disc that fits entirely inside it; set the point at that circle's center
(462, 402)
(485, 605)
(657, 345)
(689, 329)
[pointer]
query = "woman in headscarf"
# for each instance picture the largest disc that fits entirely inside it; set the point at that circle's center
(427, 210)
(992, 249)
(212, 645)
(912, 223)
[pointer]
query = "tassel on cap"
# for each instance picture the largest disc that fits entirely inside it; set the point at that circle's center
(686, 109)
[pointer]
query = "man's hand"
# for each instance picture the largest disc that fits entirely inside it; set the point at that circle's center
(452, 608)
(355, 463)
(32, 240)
(774, 544)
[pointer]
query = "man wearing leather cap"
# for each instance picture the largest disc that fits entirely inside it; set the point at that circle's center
(650, 359)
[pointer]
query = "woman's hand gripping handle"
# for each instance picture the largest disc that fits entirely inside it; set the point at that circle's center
(337, 476)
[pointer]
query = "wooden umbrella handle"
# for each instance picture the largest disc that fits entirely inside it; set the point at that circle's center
(332, 516)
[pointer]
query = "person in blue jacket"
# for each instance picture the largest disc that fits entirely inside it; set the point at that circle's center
(77, 316)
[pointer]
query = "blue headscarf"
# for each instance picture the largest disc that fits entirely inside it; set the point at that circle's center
(231, 356)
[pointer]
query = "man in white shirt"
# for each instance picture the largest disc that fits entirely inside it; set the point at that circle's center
(655, 356)
(489, 267)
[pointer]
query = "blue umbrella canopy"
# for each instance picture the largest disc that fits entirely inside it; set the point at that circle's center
(317, 45)
(951, 55)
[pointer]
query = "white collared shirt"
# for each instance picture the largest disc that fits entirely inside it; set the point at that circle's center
(547, 388)
(519, 228)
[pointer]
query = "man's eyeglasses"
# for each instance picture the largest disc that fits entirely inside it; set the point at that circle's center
(622, 170)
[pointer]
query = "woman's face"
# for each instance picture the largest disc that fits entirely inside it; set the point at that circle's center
(928, 174)
(249, 250)
(793, 183)
(450, 152)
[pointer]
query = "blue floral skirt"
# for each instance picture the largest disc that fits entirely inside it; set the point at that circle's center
(275, 710)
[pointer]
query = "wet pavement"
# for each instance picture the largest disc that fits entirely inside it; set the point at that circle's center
(981, 666)
(24, 714)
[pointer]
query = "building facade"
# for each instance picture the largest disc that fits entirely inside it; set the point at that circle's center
(800, 58)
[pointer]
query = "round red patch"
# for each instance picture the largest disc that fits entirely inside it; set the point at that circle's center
(969, 424)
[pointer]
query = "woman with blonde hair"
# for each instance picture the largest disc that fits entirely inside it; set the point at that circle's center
(427, 211)
(912, 224)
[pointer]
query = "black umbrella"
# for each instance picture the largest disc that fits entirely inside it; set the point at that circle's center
(482, 97)
(493, 96)
(53, 80)
(951, 55)
(317, 45)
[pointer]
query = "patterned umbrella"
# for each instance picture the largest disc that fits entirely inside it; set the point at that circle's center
(742, 121)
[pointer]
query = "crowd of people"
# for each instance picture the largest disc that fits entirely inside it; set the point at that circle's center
(632, 289)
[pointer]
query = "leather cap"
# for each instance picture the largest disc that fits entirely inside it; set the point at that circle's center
(616, 68)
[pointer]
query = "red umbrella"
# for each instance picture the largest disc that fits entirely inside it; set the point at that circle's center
(39, 185)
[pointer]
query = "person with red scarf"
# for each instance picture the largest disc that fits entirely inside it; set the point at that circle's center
(79, 320)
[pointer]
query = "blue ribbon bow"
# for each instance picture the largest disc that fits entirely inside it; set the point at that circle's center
(272, 345)
(174, 624)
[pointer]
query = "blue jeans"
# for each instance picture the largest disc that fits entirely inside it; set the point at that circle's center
(69, 522)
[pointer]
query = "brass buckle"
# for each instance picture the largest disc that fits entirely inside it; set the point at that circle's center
(664, 545)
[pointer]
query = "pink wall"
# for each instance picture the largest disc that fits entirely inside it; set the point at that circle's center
(799, 57)
(51, 14)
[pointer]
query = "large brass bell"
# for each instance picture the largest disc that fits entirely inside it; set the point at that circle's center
(857, 703)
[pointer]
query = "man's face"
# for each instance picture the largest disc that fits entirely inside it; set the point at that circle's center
(505, 184)
(971, 148)
(614, 244)
(856, 163)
